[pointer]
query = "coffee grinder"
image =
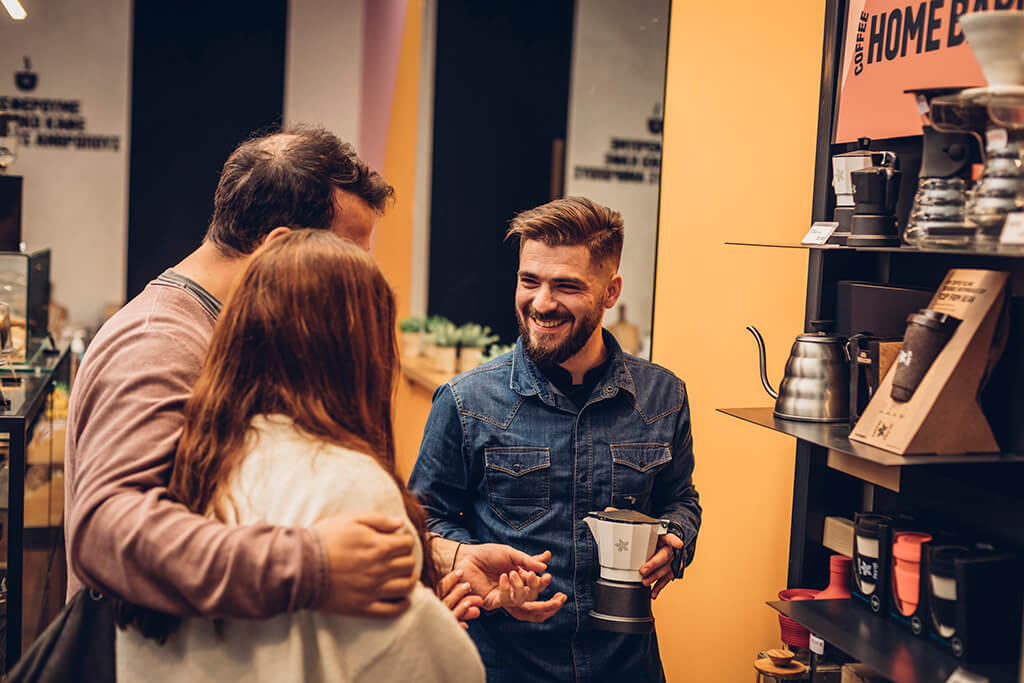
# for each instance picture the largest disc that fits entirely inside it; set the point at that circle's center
(842, 166)
(938, 216)
(625, 540)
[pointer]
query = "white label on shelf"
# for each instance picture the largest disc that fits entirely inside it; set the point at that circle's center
(922, 104)
(820, 232)
(817, 644)
(1013, 229)
(964, 676)
(996, 138)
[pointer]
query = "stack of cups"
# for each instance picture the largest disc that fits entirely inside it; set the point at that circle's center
(793, 634)
(997, 193)
(937, 217)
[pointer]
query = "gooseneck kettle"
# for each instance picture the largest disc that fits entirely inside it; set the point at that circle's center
(815, 387)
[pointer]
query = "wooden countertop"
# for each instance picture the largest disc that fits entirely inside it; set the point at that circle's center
(421, 372)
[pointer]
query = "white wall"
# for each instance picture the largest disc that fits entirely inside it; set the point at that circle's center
(617, 84)
(324, 65)
(75, 200)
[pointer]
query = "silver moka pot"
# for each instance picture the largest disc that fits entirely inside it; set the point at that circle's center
(625, 540)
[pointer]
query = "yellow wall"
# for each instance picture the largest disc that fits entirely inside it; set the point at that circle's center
(740, 126)
(741, 117)
(392, 245)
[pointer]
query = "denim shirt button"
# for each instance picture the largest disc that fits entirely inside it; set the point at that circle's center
(609, 390)
(516, 467)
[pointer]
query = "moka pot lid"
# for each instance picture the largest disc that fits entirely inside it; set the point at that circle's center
(624, 517)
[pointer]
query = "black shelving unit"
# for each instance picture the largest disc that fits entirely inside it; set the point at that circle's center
(835, 437)
(885, 646)
(978, 496)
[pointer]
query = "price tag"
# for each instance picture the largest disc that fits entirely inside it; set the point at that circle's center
(820, 232)
(817, 645)
(996, 138)
(964, 676)
(1013, 229)
(922, 105)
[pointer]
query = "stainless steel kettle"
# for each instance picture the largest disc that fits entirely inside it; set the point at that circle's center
(815, 387)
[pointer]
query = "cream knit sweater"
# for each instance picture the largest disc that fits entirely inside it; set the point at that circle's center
(289, 478)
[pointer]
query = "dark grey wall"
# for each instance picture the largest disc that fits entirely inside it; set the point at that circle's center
(204, 78)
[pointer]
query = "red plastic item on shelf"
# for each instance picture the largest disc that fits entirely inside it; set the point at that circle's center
(839, 579)
(793, 634)
(906, 550)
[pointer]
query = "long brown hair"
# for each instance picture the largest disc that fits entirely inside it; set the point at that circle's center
(308, 333)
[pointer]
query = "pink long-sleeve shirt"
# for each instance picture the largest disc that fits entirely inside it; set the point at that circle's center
(125, 535)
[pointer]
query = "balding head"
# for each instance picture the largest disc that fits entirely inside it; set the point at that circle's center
(290, 179)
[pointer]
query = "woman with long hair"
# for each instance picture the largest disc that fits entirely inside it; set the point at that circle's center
(290, 422)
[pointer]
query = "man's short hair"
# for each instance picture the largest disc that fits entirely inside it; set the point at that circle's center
(287, 179)
(572, 221)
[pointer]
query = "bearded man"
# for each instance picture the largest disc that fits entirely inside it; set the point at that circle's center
(520, 450)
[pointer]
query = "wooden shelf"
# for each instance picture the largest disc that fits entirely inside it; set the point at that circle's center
(882, 644)
(836, 437)
(420, 371)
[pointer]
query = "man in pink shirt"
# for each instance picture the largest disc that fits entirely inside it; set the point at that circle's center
(125, 536)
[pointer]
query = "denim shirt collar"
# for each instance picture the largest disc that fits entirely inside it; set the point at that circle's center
(528, 380)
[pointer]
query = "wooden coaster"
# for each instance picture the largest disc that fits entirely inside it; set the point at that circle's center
(790, 671)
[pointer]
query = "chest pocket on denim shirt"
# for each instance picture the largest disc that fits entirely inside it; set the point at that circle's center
(634, 466)
(518, 483)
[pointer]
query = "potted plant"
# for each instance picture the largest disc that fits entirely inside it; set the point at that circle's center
(496, 350)
(430, 328)
(475, 339)
(446, 345)
(411, 330)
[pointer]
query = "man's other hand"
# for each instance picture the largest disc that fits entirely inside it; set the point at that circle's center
(484, 564)
(657, 571)
(519, 591)
(370, 565)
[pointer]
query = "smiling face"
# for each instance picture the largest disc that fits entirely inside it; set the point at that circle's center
(561, 297)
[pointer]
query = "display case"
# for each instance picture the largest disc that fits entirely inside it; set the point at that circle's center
(25, 288)
(32, 563)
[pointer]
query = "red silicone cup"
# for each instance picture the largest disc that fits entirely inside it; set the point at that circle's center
(906, 550)
(793, 634)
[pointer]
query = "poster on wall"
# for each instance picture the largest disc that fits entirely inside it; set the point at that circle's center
(613, 147)
(892, 46)
(64, 100)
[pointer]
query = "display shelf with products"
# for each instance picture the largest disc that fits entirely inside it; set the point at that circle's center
(977, 498)
(835, 436)
(885, 646)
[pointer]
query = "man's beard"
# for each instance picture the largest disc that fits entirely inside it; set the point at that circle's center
(555, 354)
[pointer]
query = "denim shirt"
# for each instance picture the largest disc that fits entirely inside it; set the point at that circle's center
(506, 458)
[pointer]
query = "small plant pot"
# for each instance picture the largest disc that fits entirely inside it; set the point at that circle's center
(470, 357)
(446, 359)
(427, 347)
(412, 344)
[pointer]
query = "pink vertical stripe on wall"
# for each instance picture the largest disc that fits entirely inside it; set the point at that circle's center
(382, 40)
